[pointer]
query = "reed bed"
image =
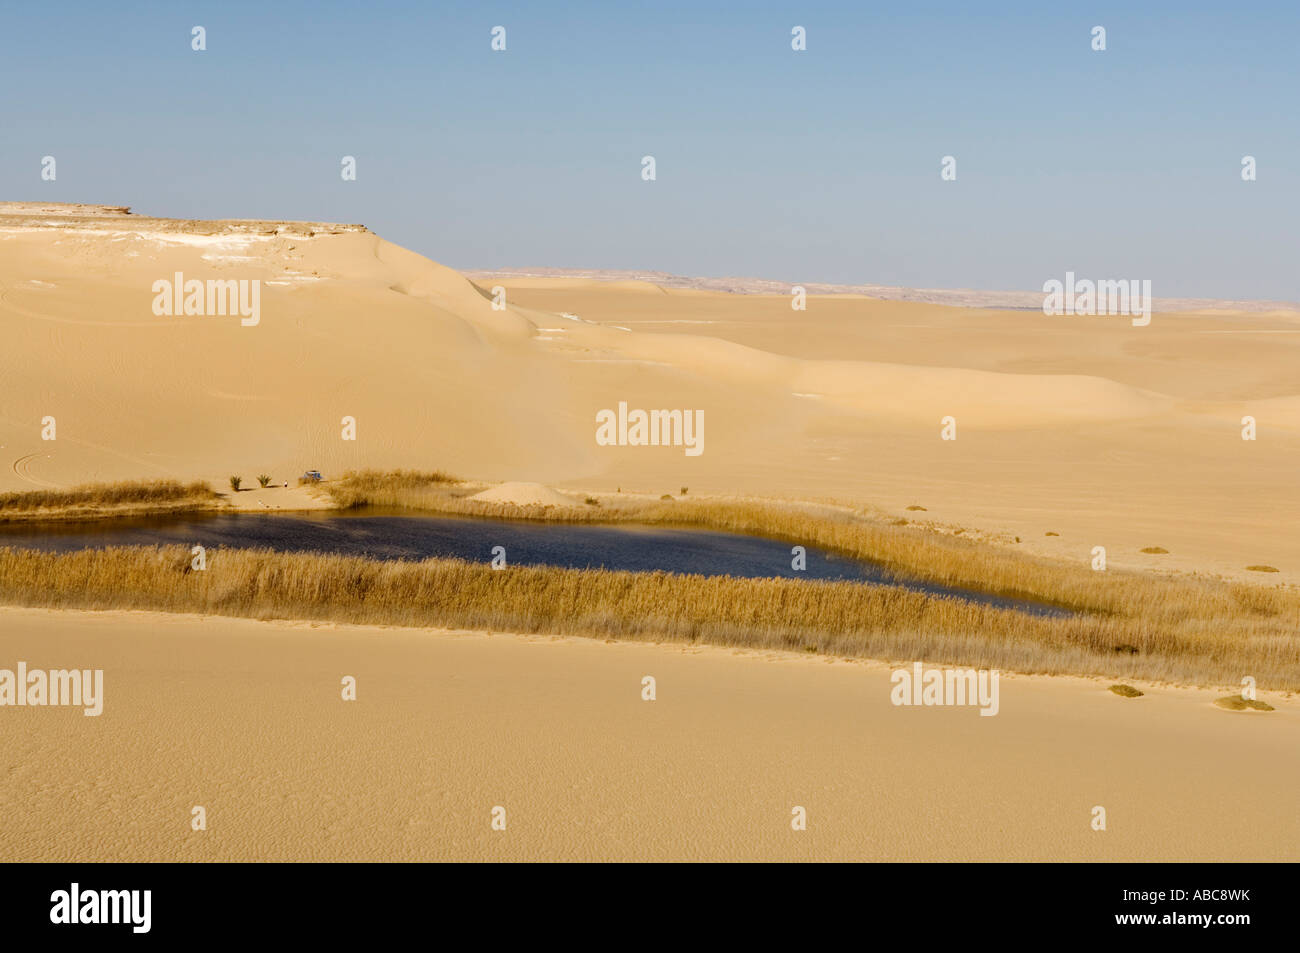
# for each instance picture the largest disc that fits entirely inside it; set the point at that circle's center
(830, 618)
(909, 553)
(106, 500)
(366, 487)
(1184, 628)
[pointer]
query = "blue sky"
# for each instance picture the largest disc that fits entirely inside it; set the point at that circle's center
(814, 166)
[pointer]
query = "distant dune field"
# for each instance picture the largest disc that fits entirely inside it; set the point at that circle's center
(1086, 427)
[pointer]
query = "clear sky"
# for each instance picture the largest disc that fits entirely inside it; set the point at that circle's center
(821, 165)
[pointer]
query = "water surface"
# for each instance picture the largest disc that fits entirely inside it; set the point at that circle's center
(380, 534)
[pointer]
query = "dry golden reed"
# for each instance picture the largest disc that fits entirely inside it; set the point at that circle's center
(832, 618)
(1198, 629)
(104, 500)
(909, 553)
(359, 487)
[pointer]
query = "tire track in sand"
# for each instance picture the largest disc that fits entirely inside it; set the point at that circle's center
(22, 467)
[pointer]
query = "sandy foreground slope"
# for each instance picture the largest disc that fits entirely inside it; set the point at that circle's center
(245, 719)
(1084, 426)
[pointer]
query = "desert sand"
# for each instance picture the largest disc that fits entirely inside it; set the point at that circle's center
(246, 719)
(525, 494)
(1084, 426)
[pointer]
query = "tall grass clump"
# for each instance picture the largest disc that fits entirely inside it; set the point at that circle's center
(404, 488)
(103, 500)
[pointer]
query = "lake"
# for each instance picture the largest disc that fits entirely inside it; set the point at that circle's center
(380, 534)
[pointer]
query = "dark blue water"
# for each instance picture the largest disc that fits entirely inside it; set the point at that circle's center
(379, 535)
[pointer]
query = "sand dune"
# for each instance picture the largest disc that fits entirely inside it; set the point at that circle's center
(525, 494)
(1088, 427)
(543, 277)
(447, 726)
